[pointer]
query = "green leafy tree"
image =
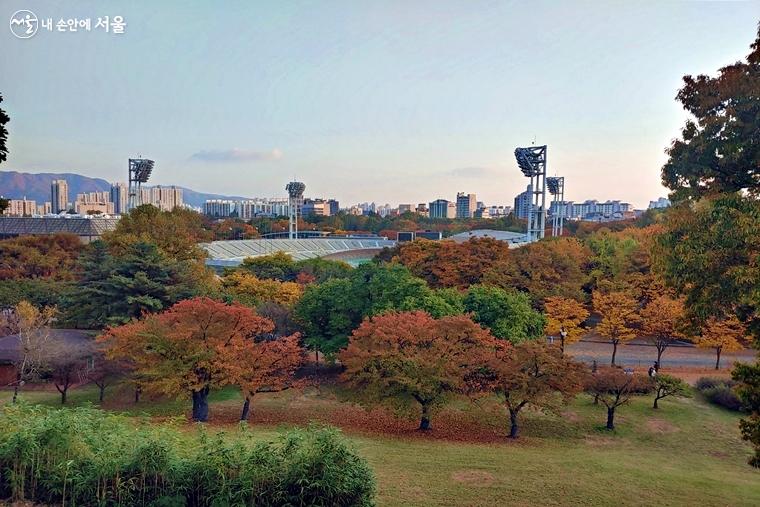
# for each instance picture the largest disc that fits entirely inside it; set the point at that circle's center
(668, 385)
(718, 151)
(507, 313)
(277, 266)
(748, 376)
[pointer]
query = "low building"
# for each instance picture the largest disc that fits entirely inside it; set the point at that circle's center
(88, 228)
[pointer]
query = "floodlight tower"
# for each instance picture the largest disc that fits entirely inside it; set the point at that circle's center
(532, 163)
(295, 202)
(139, 172)
(556, 186)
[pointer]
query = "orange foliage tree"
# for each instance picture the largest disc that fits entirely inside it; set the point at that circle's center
(663, 321)
(409, 356)
(618, 311)
(614, 388)
(196, 345)
(723, 335)
(530, 373)
(252, 291)
(451, 264)
(564, 317)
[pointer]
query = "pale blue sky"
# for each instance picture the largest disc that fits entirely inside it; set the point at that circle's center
(386, 101)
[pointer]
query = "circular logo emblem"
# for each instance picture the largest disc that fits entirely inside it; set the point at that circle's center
(24, 24)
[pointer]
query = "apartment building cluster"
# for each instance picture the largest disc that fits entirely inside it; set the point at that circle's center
(247, 209)
(589, 210)
(107, 202)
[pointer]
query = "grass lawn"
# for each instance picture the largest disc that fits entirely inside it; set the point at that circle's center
(686, 453)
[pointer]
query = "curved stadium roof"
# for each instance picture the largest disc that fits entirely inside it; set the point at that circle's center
(232, 252)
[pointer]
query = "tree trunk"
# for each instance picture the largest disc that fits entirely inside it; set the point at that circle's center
(316, 358)
(15, 393)
(660, 350)
(717, 360)
(614, 352)
(656, 399)
(562, 345)
(138, 390)
(611, 418)
(102, 392)
(246, 409)
(514, 430)
(596, 399)
(200, 405)
(63, 395)
(425, 419)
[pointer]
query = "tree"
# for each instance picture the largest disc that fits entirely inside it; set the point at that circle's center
(530, 373)
(34, 336)
(4, 203)
(196, 345)
(4, 119)
(748, 390)
(115, 289)
(507, 313)
(276, 266)
(618, 311)
(663, 322)
(552, 267)
(718, 152)
(564, 318)
(51, 257)
(722, 335)
(614, 388)
(265, 365)
(411, 357)
(252, 291)
(175, 233)
(103, 371)
(330, 311)
(667, 385)
(68, 364)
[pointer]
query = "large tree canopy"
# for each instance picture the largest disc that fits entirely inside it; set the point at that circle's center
(719, 150)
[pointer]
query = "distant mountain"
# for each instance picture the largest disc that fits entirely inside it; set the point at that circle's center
(15, 185)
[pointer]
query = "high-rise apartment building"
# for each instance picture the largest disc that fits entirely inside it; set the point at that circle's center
(21, 208)
(334, 207)
(466, 205)
(119, 197)
(59, 196)
(523, 203)
(218, 208)
(163, 198)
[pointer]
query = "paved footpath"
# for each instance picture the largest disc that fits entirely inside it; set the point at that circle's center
(641, 354)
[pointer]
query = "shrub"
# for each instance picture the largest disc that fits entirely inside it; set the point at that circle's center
(88, 457)
(704, 383)
(719, 391)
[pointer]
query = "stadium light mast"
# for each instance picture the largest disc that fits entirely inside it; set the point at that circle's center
(556, 186)
(139, 172)
(295, 202)
(532, 163)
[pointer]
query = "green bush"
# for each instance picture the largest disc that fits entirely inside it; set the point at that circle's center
(85, 456)
(704, 383)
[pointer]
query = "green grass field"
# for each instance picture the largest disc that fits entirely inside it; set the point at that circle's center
(687, 453)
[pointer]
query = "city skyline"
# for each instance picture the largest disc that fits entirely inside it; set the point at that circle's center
(388, 102)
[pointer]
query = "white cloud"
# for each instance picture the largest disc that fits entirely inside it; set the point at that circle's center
(236, 155)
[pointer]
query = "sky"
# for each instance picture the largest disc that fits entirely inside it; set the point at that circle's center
(385, 101)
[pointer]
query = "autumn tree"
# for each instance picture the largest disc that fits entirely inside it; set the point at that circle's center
(194, 346)
(718, 150)
(50, 257)
(34, 341)
(663, 322)
(668, 385)
(529, 373)
(67, 365)
(103, 371)
(507, 313)
(552, 267)
(614, 388)
(618, 312)
(265, 364)
(564, 318)
(722, 335)
(411, 357)
(252, 291)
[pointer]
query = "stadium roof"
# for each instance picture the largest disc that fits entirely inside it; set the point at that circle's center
(232, 253)
(85, 227)
(513, 238)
